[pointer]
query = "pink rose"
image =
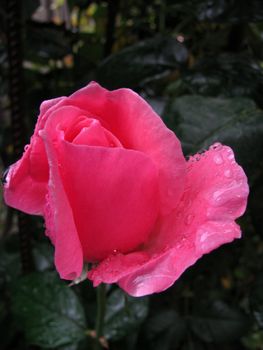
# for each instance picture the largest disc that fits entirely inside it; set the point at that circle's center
(115, 190)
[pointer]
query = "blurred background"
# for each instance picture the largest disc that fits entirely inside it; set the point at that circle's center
(199, 64)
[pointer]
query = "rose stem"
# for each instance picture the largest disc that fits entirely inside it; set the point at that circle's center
(101, 308)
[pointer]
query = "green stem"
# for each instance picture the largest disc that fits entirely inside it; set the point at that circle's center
(101, 308)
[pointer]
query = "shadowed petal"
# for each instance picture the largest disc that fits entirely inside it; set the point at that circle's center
(60, 226)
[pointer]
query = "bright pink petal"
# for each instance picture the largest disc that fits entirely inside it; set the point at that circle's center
(93, 136)
(127, 116)
(26, 185)
(21, 191)
(134, 125)
(215, 195)
(114, 195)
(60, 226)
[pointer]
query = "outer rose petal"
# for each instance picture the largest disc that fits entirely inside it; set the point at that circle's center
(215, 195)
(26, 185)
(59, 220)
(113, 193)
(127, 116)
(21, 191)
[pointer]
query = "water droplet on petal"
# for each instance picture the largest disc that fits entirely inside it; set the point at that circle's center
(26, 148)
(230, 154)
(204, 237)
(218, 159)
(188, 202)
(228, 173)
(189, 219)
(217, 195)
(216, 146)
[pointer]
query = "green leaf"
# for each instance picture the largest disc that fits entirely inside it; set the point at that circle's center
(230, 11)
(134, 65)
(69, 347)
(48, 311)
(10, 264)
(43, 256)
(226, 75)
(219, 323)
(46, 41)
(256, 205)
(234, 11)
(165, 330)
(256, 300)
(192, 343)
(200, 121)
(124, 314)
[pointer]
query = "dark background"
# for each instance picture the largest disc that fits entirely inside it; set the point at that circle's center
(199, 64)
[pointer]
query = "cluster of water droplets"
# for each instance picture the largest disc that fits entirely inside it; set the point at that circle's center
(196, 157)
(232, 188)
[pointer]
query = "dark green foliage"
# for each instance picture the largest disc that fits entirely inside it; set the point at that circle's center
(218, 323)
(124, 314)
(257, 300)
(165, 330)
(137, 64)
(47, 310)
(199, 64)
(236, 122)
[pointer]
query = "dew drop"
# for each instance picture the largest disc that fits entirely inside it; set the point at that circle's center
(189, 219)
(115, 251)
(218, 159)
(217, 196)
(228, 173)
(26, 148)
(178, 245)
(230, 154)
(188, 202)
(216, 146)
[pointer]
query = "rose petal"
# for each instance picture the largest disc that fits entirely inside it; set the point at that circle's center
(60, 226)
(114, 195)
(21, 191)
(215, 195)
(127, 116)
(26, 185)
(93, 136)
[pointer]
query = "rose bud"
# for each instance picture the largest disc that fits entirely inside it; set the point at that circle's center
(115, 190)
